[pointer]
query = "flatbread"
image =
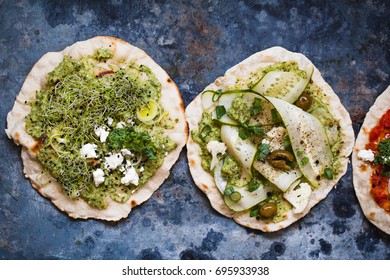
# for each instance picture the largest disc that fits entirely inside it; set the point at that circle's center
(123, 52)
(362, 170)
(242, 71)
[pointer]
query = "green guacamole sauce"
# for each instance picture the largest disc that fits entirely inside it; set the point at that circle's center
(80, 96)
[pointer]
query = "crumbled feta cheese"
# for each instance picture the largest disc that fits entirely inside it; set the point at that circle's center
(102, 133)
(264, 141)
(276, 137)
(98, 176)
(126, 152)
(131, 177)
(366, 155)
(88, 151)
(120, 125)
(142, 169)
(110, 121)
(215, 148)
(298, 196)
(130, 121)
(113, 161)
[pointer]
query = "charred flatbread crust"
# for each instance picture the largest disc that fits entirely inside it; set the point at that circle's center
(242, 71)
(36, 80)
(362, 170)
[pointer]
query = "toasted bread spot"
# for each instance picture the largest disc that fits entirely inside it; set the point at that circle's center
(17, 136)
(205, 187)
(133, 203)
(35, 148)
(192, 162)
(363, 167)
(169, 80)
(372, 214)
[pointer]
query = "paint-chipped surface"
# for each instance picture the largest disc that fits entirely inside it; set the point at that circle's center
(195, 41)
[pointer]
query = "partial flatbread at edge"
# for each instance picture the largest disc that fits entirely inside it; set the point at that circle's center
(362, 170)
(243, 71)
(36, 79)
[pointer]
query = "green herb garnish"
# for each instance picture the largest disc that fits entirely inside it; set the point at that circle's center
(263, 151)
(256, 107)
(220, 111)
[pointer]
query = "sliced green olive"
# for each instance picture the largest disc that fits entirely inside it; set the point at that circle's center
(280, 159)
(304, 101)
(268, 210)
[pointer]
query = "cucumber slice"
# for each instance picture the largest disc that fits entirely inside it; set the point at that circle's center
(149, 112)
(244, 151)
(284, 85)
(282, 179)
(308, 136)
(220, 182)
(207, 100)
(248, 199)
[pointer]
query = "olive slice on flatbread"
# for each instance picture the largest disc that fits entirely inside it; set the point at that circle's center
(105, 119)
(268, 140)
(364, 164)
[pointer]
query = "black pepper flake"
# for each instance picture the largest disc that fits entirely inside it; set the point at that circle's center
(318, 177)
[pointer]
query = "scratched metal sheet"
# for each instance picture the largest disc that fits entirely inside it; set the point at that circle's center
(195, 41)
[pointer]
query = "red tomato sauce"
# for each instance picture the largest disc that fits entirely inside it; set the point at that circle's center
(379, 183)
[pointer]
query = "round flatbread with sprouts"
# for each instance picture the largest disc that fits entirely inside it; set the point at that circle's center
(100, 124)
(269, 140)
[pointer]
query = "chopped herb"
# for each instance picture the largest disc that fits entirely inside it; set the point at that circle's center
(263, 151)
(328, 173)
(228, 191)
(256, 107)
(246, 131)
(304, 161)
(220, 111)
(299, 152)
(205, 131)
(384, 153)
(275, 116)
(286, 142)
(254, 211)
(252, 186)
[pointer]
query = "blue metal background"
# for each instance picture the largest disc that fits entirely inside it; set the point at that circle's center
(195, 41)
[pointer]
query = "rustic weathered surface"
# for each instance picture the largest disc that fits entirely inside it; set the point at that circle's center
(195, 42)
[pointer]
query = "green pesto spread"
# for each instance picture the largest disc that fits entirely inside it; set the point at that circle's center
(81, 96)
(244, 113)
(239, 111)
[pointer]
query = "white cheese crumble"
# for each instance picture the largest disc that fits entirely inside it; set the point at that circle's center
(142, 169)
(110, 121)
(366, 155)
(126, 152)
(113, 161)
(102, 133)
(130, 121)
(215, 148)
(98, 176)
(120, 125)
(276, 137)
(131, 177)
(88, 150)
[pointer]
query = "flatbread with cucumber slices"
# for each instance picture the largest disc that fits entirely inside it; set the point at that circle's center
(100, 124)
(268, 140)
